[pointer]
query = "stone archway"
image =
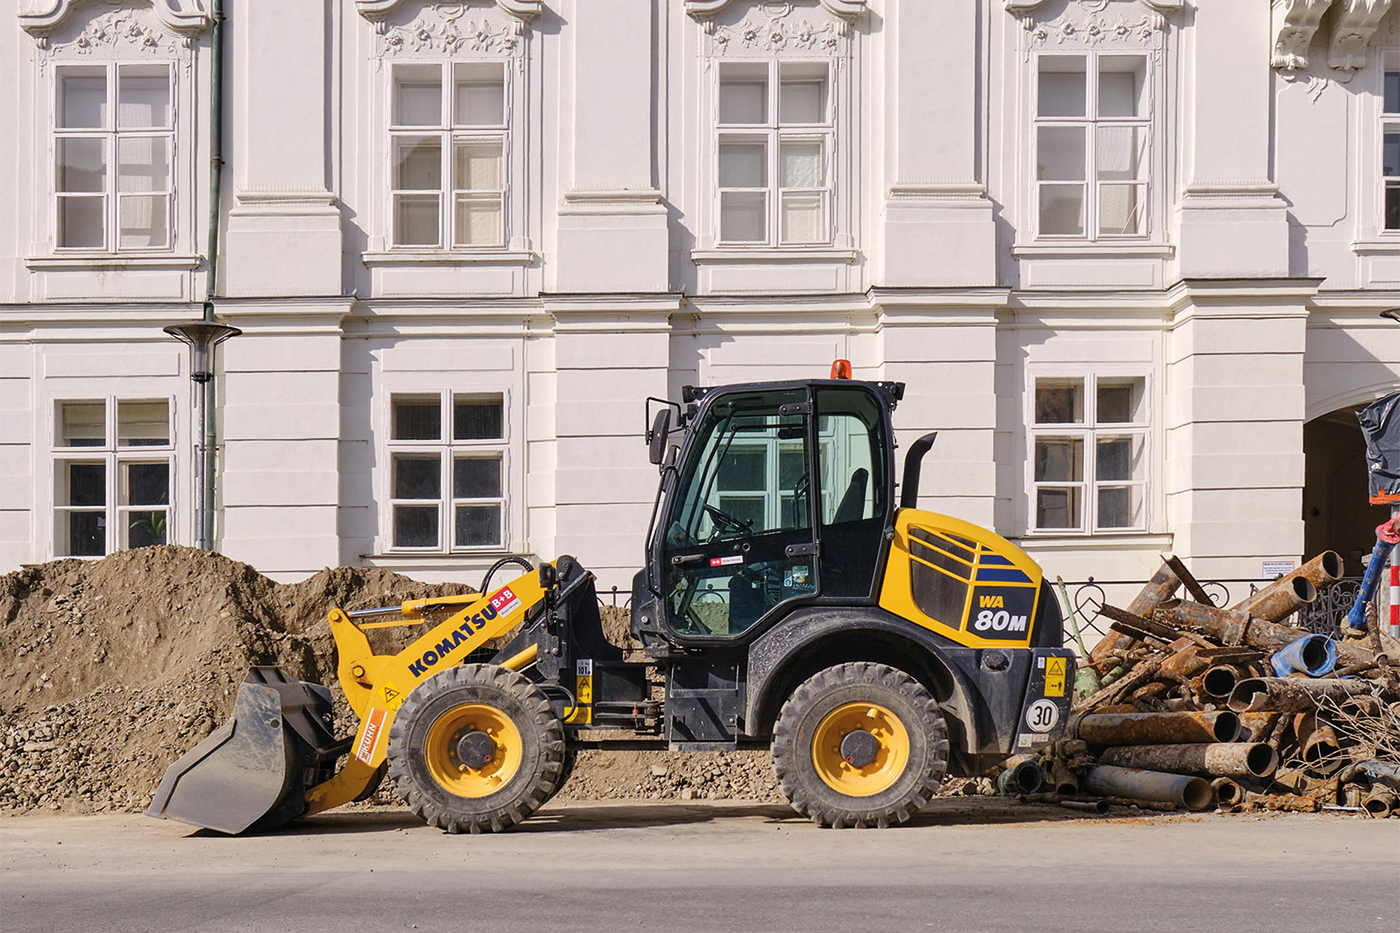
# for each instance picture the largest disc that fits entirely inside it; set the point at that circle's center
(1336, 512)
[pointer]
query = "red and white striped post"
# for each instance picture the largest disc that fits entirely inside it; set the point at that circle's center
(1393, 625)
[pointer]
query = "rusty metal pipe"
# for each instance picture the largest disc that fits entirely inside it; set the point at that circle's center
(1218, 759)
(1065, 781)
(1279, 599)
(1291, 694)
(1317, 743)
(1088, 806)
(1157, 591)
(1256, 727)
(1232, 627)
(1227, 792)
(1181, 790)
(1379, 803)
(1022, 776)
(1155, 728)
(1219, 680)
(1321, 572)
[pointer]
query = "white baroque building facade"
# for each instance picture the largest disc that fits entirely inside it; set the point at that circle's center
(1129, 257)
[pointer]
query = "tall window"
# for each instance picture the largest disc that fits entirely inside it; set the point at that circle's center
(447, 465)
(114, 138)
(448, 145)
(1390, 149)
(774, 153)
(111, 475)
(1092, 151)
(1089, 450)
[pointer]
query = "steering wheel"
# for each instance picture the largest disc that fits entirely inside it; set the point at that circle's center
(724, 522)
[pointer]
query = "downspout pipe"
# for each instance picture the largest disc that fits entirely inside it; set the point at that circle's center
(205, 519)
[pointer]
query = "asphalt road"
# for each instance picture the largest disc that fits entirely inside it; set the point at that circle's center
(713, 867)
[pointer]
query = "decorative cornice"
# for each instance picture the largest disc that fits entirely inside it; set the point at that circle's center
(443, 29)
(1356, 24)
(40, 18)
(1165, 7)
(520, 9)
(846, 9)
(1294, 23)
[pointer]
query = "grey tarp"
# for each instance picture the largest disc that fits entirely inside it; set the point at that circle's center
(1380, 422)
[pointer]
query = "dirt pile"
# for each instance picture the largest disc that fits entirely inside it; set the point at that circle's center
(112, 669)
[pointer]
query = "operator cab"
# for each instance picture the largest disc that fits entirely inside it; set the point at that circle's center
(780, 497)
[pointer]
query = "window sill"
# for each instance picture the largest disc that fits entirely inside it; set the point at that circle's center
(439, 257)
(77, 262)
(775, 254)
(1377, 246)
(1052, 248)
(1117, 540)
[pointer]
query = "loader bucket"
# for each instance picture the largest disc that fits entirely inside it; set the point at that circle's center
(253, 772)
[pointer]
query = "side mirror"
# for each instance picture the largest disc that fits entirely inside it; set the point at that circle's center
(658, 435)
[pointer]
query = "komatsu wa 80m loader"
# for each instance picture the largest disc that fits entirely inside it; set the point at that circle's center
(786, 601)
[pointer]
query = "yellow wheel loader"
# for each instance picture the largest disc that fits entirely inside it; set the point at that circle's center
(785, 602)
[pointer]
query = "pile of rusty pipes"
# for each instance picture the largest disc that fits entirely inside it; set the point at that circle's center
(1199, 706)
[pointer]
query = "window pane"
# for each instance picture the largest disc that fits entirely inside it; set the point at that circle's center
(1059, 459)
(82, 98)
(415, 526)
(478, 525)
(85, 532)
(416, 219)
(1120, 401)
(1390, 155)
(143, 96)
(1061, 153)
(146, 529)
(1120, 507)
(802, 100)
(743, 470)
(1119, 458)
(143, 163)
(82, 424)
(83, 484)
(1392, 92)
(476, 478)
(80, 221)
(1062, 210)
(1122, 86)
(743, 216)
(743, 94)
(1122, 209)
(143, 221)
(417, 477)
(475, 419)
(1121, 153)
(1392, 205)
(743, 165)
(477, 166)
(143, 424)
(147, 483)
(804, 221)
(417, 418)
(1059, 402)
(479, 95)
(82, 164)
(418, 95)
(802, 164)
(1062, 86)
(478, 221)
(418, 163)
(1057, 508)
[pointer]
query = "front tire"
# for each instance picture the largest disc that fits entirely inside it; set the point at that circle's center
(476, 748)
(860, 744)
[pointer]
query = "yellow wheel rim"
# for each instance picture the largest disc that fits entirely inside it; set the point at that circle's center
(891, 756)
(450, 772)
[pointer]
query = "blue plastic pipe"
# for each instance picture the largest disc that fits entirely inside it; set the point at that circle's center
(1313, 655)
(1356, 619)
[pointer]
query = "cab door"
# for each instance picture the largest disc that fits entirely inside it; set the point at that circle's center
(738, 540)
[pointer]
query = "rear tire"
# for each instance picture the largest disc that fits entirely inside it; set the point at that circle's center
(514, 743)
(860, 744)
